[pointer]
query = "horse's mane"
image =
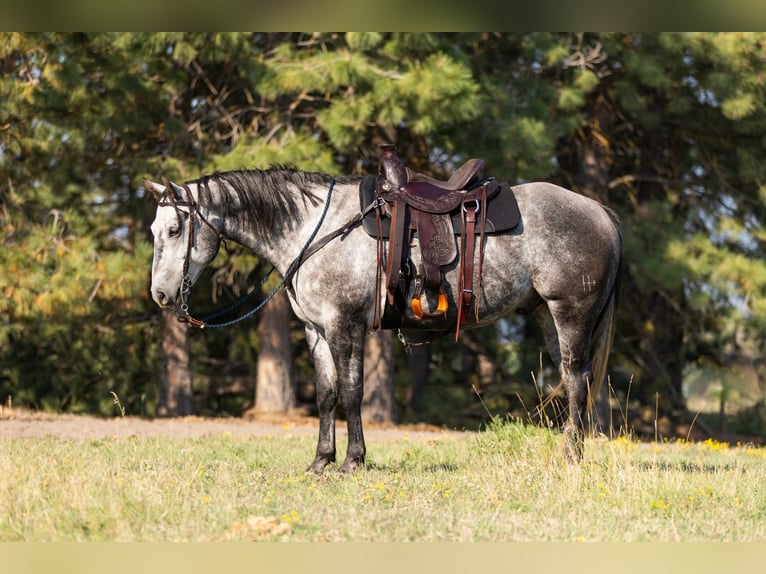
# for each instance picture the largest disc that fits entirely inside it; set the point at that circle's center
(261, 195)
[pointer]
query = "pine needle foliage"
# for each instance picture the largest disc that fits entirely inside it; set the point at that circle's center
(666, 128)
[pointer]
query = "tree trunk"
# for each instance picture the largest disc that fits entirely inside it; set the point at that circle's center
(379, 403)
(659, 353)
(274, 385)
(175, 377)
(418, 362)
(478, 364)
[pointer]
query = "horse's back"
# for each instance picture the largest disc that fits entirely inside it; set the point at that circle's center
(563, 210)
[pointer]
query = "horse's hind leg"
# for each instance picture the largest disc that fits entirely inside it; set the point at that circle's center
(567, 337)
(327, 397)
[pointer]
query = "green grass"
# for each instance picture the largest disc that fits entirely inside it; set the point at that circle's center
(507, 483)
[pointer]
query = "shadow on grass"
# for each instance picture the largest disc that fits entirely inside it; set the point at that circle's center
(407, 466)
(690, 467)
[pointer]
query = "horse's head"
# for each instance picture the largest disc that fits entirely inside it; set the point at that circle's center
(186, 239)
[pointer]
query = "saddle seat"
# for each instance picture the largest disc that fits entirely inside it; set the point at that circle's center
(463, 178)
(434, 196)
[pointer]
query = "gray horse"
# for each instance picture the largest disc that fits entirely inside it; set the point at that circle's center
(560, 264)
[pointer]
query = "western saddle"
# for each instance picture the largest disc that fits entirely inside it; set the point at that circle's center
(409, 204)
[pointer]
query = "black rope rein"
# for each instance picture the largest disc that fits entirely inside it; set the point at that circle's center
(182, 311)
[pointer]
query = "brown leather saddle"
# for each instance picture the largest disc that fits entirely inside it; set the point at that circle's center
(411, 204)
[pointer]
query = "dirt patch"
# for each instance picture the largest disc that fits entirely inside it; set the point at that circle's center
(17, 423)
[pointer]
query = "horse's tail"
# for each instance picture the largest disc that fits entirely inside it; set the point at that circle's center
(603, 333)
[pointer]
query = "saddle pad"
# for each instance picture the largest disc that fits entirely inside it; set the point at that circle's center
(502, 211)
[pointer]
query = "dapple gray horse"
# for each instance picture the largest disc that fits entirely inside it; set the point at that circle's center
(560, 264)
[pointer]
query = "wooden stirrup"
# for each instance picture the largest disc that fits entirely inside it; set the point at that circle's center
(441, 307)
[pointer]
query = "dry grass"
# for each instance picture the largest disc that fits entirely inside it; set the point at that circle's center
(507, 483)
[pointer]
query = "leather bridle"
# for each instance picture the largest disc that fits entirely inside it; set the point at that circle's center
(182, 310)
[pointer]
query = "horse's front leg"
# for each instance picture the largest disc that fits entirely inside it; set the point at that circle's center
(346, 340)
(327, 397)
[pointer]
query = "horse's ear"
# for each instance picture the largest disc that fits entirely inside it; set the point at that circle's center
(177, 190)
(157, 189)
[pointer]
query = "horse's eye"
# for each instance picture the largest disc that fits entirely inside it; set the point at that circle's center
(174, 231)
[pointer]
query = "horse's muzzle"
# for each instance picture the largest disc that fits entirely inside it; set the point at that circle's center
(162, 298)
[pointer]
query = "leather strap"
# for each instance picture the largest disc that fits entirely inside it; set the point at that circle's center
(377, 318)
(465, 281)
(482, 229)
(395, 246)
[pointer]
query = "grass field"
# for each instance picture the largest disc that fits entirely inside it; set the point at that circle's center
(508, 483)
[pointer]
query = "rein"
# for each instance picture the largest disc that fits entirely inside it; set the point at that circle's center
(182, 311)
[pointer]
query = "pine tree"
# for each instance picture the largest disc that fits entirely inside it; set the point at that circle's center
(665, 128)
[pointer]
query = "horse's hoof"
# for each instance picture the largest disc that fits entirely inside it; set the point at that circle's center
(573, 453)
(350, 465)
(574, 446)
(318, 466)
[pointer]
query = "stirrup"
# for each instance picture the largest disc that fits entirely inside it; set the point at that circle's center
(441, 307)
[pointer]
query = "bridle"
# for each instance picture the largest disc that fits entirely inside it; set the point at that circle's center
(182, 310)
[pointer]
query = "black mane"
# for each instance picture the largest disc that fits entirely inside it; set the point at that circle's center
(260, 195)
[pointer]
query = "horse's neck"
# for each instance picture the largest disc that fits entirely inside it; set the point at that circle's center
(281, 240)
